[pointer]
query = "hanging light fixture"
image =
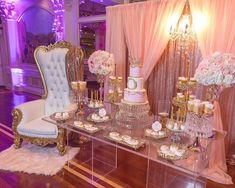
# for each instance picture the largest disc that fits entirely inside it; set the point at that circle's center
(184, 36)
(183, 32)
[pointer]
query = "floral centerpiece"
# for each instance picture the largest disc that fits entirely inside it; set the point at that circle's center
(101, 63)
(217, 72)
(218, 69)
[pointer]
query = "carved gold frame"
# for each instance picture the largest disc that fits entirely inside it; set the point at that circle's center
(18, 115)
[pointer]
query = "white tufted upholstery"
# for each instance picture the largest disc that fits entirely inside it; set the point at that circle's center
(27, 117)
(52, 64)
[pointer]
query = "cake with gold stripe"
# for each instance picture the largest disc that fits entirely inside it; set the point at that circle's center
(134, 107)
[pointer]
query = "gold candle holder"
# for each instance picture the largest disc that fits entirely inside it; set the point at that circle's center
(115, 93)
(163, 116)
(91, 95)
(81, 87)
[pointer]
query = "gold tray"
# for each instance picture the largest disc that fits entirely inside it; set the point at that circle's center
(87, 131)
(135, 147)
(98, 121)
(61, 120)
(156, 136)
(175, 157)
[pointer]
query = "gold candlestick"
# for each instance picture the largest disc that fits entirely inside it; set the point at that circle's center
(91, 95)
(177, 116)
(172, 113)
(163, 118)
(81, 87)
(96, 96)
(101, 96)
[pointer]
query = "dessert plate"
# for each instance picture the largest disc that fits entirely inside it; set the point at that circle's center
(126, 140)
(89, 128)
(173, 152)
(89, 118)
(156, 134)
(61, 117)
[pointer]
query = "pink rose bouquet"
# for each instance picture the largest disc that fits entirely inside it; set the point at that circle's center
(101, 63)
(218, 69)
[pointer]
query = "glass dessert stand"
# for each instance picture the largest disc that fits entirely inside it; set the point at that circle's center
(133, 116)
(198, 126)
(100, 159)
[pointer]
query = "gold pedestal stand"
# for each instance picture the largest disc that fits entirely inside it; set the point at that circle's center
(79, 88)
(180, 102)
(115, 93)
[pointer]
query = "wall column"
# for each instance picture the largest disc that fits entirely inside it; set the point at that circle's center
(13, 42)
(71, 26)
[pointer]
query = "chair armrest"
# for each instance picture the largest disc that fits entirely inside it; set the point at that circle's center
(28, 111)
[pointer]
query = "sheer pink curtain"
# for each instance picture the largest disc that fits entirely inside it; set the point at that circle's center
(215, 27)
(115, 43)
(115, 39)
(146, 29)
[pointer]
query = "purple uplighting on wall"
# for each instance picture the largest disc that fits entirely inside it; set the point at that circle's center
(7, 8)
(58, 25)
(7, 11)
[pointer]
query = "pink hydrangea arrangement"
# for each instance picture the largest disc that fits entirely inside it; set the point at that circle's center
(218, 69)
(101, 63)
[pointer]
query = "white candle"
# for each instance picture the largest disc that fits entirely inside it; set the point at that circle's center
(74, 85)
(190, 105)
(192, 97)
(81, 85)
(198, 108)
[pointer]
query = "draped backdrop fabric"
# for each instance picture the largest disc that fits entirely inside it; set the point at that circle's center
(115, 39)
(216, 32)
(215, 25)
(145, 29)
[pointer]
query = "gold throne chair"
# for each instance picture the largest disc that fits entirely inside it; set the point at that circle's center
(27, 117)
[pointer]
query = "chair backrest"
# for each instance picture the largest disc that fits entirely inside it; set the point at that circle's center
(51, 64)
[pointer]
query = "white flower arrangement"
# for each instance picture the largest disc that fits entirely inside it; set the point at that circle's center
(101, 63)
(218, 69)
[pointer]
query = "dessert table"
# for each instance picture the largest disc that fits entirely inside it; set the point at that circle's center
(103, 157)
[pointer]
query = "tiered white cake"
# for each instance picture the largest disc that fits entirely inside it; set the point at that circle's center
(135, 92)
(134, 107)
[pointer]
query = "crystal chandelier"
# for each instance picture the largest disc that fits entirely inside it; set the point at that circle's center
(184, 36)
